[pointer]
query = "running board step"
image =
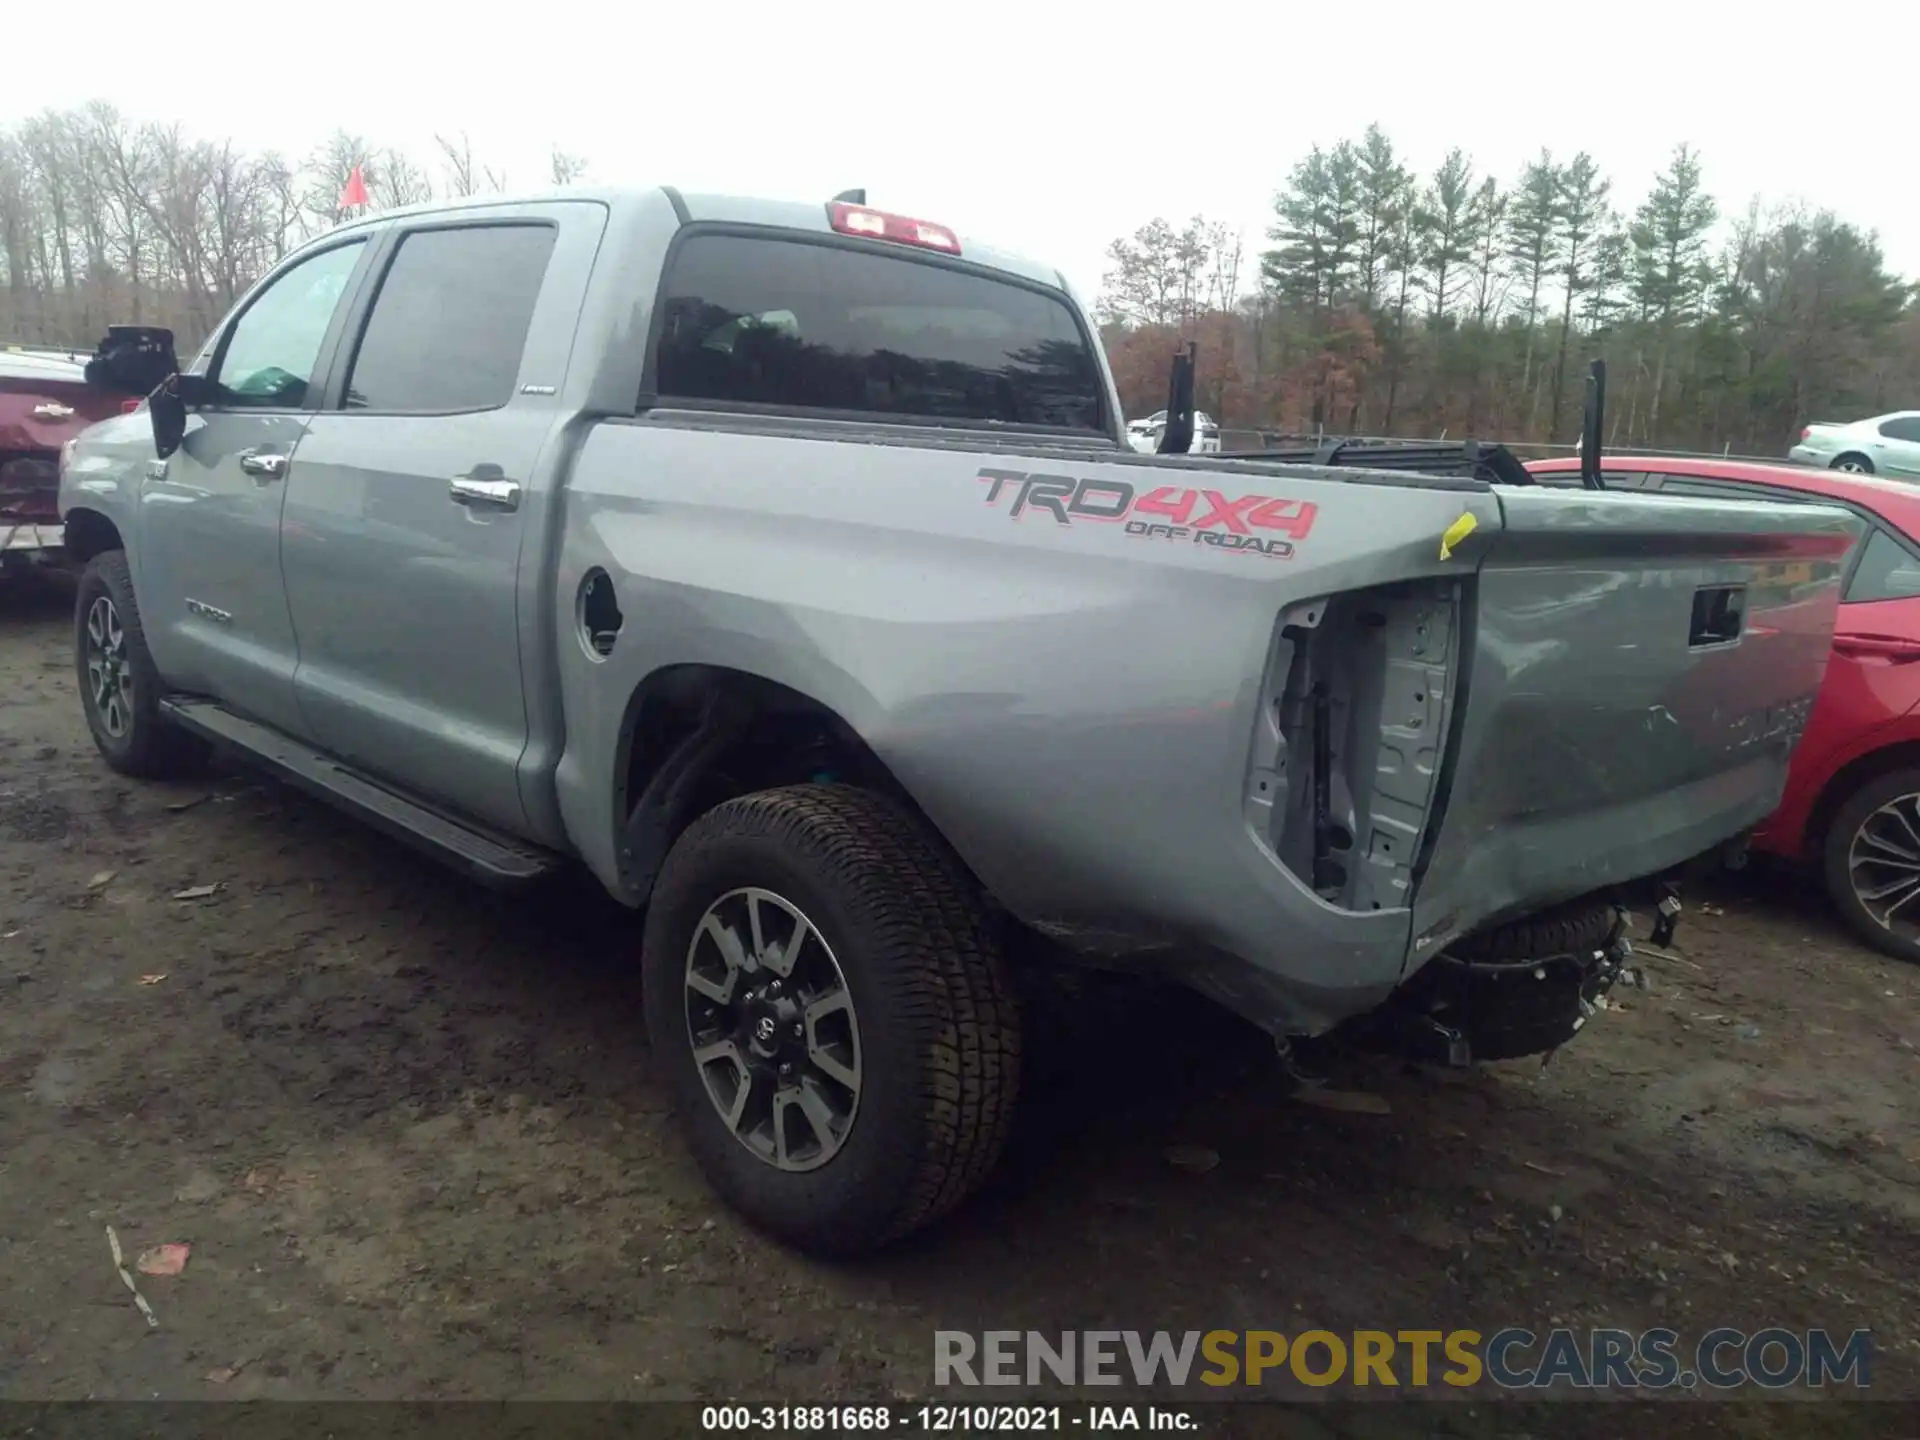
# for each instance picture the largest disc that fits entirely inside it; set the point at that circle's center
(493, 859)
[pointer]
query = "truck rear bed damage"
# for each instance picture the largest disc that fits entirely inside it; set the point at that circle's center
(1352, 727)
(1346, 787)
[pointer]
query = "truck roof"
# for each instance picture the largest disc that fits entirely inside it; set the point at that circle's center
(725, 209)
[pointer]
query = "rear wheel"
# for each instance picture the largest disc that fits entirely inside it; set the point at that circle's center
(833, 1014)
(1872, 863)
(1853, 464)
(120, 689)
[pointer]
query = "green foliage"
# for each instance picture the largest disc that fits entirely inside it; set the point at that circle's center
(1456, 305)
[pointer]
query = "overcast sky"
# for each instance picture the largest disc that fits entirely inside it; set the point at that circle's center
(1042, 128)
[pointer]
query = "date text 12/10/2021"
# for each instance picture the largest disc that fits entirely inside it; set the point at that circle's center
(942, 1419)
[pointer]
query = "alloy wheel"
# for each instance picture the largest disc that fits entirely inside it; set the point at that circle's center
(109, 669)
(773, 1029)
(1883, 864)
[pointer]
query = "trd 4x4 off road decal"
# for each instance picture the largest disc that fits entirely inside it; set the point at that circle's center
(1170, 512)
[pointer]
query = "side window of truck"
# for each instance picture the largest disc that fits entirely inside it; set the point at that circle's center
(449, 320)
(268, 358)
(783, 324)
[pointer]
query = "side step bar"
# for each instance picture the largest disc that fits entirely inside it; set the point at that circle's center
(493, 859)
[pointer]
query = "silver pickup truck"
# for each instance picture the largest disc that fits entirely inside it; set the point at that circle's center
(787, 565)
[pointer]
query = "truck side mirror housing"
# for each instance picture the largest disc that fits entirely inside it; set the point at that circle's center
(139, 360)
(167, 409)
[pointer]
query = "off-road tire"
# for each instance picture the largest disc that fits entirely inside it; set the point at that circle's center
(939, 1028)
(151, 749)
(1836, 871)
(1572, 928)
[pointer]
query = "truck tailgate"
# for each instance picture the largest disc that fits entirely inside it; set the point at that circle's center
(1640, 669)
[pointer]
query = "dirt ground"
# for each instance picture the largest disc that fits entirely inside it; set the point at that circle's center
(407, 1129)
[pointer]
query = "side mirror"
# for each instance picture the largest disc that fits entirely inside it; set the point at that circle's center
(167, 409)
(139, 360)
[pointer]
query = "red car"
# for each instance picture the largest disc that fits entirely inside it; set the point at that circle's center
(44, 402)
(1852, 803)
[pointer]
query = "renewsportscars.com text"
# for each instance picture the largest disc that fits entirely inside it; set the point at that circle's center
(1513, 1358)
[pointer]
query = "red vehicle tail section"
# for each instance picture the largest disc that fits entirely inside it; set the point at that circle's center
(44, 402)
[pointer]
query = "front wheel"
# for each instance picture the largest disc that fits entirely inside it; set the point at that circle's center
(120, 688)
(833, 1015)
(1872, 863)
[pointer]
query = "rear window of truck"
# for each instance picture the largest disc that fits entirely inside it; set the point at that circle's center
(786, 324)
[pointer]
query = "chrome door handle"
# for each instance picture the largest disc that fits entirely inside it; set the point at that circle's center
(496, 494)
(266, 466)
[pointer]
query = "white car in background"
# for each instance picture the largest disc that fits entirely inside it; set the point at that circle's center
(1885, 445)
(1144, 435)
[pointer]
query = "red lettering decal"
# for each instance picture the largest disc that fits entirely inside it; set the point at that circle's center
(1163, 502)
(1293, 516)
(1227, 512)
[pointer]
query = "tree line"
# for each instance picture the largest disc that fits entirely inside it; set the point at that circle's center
(107, 221)
(1390, 303)
(1385, 302)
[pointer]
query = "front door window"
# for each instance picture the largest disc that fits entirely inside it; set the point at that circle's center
(273, 350)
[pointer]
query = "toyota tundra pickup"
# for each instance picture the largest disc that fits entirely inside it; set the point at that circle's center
(788, 566)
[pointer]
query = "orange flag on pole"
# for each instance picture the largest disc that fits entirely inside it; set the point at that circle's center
(355, 193)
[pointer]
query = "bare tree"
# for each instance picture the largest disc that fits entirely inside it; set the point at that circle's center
(464, 177)
(104, 220)
(401, 182)
(328, 171)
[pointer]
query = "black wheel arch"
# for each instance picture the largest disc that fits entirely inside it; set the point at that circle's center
(89, 533)
(1848, 780)
(694, 736)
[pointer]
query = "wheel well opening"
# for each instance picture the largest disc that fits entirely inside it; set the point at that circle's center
(89, 533)
(696, 736)
(1849, 778)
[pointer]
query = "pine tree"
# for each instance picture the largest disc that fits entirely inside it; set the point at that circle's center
(1670, 274)
(1447, 216)
(1316, 232)
(1584, 211)
(1486, 230)
(1533, 244)
(1385, 194)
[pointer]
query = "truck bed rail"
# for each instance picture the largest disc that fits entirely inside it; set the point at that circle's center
(1494, 464)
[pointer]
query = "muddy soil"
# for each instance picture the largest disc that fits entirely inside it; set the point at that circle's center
(408, 1131)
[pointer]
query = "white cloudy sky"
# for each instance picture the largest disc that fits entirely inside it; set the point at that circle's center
(1044, 127)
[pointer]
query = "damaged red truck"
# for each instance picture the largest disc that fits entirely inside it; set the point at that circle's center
(45, 401)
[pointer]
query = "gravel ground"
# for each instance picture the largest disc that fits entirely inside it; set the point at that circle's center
(407, 1129)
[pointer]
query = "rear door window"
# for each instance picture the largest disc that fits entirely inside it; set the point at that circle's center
(1887, 570)
(791, 324)
(450, 320)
